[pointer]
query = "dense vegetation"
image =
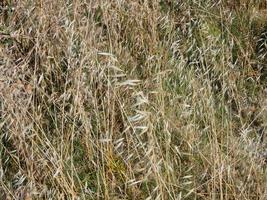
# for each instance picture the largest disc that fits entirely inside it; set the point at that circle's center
(133, 99)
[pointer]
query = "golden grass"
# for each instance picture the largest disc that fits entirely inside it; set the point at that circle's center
(133, 99)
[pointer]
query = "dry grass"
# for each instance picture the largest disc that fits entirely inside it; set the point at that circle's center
(134, 99)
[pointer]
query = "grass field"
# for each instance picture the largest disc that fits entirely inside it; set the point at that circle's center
(133, 99)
